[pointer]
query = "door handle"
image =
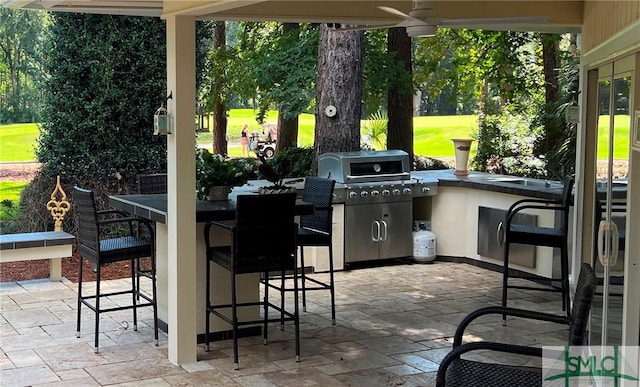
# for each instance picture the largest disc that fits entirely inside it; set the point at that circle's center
(375, 231)
(608, 243)
(615, 243)
(500, 233)
(384, 228)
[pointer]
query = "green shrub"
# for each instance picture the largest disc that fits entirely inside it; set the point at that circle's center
(505, 145)
(293, 162)
(424, 163)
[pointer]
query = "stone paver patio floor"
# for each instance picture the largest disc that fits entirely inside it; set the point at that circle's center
(394, 325)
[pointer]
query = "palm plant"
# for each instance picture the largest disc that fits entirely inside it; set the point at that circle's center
(374, 132)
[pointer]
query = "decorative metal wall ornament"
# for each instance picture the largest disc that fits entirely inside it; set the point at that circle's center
(58, 205)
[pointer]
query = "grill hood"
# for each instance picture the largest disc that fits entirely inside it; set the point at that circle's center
(364, 166)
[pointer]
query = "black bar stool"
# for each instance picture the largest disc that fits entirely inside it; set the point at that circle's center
(263, 240)
(127, 246)
(556, 237)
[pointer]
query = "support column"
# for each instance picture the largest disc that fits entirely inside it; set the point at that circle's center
(181, 210)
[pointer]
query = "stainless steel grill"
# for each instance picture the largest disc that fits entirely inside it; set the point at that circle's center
(378, 201)
(365, 166)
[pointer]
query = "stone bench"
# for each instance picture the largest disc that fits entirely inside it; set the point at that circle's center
(53, 245)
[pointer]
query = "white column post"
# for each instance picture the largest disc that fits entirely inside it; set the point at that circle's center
(181, 209)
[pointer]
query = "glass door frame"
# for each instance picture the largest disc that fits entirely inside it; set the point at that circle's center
(611, 71)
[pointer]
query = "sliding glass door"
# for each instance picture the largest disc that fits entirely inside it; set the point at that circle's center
(610, 207)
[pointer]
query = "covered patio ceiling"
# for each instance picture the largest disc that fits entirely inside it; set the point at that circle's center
(559, 16)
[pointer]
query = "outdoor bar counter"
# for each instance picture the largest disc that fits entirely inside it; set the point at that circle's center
(154, 208)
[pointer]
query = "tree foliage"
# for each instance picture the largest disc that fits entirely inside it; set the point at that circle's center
(470, 59)
(282, 65)
(100, 99)
(22, 38)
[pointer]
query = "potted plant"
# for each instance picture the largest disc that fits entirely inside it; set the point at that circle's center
(275, 177)
(216, 175)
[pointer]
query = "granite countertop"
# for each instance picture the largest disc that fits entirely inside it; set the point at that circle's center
(515, 185)
(535, 188)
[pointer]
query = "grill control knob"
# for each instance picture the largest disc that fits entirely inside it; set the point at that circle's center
(353, 195)
(364, 194)
(425, 189)
(386, 192)
(395, 192)
(406, 191)
(375, 192)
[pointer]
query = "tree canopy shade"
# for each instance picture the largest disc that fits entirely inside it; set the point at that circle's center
(101, 96)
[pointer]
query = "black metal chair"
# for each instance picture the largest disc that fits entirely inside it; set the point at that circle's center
(315, 230)
(455, 371)
(263, 241)
(154, 183)
(100, 250)
(556, 237)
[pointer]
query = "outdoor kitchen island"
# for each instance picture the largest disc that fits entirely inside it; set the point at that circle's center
(154, 207)
(464, 212)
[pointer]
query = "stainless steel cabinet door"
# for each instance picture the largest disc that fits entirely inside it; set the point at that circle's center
(362, 229)
(396, 233)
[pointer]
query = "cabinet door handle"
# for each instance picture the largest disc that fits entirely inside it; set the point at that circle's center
(375, 231)
(500, 233)
(384, 229)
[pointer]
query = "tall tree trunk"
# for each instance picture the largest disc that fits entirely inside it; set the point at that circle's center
(339, 85)
(219, 108)
(400, 97)
(287, 127)
(550, 68)
(287, 133)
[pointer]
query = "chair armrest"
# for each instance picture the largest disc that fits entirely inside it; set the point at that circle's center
(129, 220)
(500, 347)
(207, 228)
(457, 339)
(532, 204)
(112, 211)
(532, 201)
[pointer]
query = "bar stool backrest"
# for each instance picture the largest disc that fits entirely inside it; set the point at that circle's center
(265, 237)
(319, 191)
(566, 202)
(154, 183)
(87, 221)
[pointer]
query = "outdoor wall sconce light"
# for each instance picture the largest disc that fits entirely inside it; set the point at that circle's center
(162, 120)
(572, 111)
(572, 114)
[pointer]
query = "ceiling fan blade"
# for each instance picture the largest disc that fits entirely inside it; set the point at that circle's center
(401, 14)
(490, 21)
(360, 28)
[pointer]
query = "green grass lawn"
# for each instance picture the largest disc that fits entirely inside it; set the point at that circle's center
(432, 135)
(17, 142)
(9, 198)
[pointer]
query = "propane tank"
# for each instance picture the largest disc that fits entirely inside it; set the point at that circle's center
(424, 245)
